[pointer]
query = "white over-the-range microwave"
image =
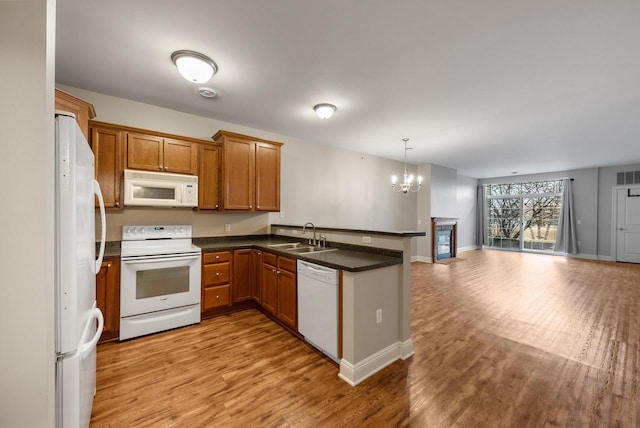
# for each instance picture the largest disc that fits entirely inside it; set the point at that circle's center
(160, 189)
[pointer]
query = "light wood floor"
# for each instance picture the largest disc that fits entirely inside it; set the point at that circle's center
(501, 339)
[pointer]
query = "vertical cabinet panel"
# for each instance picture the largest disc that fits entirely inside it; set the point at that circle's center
(269, 288)
(209, 177)
(108, 298)
(106, 144)
(242, 275)
(238, 170)
(267, 177)
(287, 298)
(256, 270)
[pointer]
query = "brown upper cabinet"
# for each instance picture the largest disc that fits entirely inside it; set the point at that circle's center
(106, 143)
(155, 153)
(209, 177)
(117, 147)
(82, 110)
(250, 172)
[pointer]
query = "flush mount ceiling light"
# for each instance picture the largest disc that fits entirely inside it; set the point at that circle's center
(194, 66)
(407, 184)
(324, 110)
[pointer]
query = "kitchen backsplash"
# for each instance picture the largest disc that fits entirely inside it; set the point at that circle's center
(204, 223)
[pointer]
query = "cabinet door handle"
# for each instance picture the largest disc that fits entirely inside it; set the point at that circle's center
(259, 253)
(217, 273)
(218, 297)
(117, 204)
(108, 265)
(250, 206)
(217, 257)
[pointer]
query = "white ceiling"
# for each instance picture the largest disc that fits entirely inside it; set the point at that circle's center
(487, 87)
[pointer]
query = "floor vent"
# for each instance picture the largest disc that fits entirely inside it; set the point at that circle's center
(629, 177)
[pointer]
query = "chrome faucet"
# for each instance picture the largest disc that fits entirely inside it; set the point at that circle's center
(304, 228)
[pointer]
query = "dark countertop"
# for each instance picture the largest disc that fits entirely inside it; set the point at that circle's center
(351, 258)
(348, 257)
(368, 232)
(111, 249)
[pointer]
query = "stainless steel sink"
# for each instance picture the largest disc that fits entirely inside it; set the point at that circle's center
(310, 250)
(288, 246)
(300, 248)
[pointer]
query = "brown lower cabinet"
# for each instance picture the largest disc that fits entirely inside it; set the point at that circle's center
(279, 290)
(241, 279)
(256, 271)
(108, 298)
(242, 275)
(216, 279)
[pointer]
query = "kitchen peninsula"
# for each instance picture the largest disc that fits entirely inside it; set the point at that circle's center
(374, 278)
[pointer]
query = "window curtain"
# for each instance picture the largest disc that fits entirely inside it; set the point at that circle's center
(566, 240)
(481, 216)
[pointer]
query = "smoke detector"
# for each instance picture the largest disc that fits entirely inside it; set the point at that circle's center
(207, 92)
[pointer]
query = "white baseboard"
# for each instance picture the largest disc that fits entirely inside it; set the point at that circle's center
(406, 349)
(421, 259)
(469, 248)
(589, 257)
(353, 374)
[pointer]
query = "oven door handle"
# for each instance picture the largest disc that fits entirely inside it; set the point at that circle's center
(161, 260)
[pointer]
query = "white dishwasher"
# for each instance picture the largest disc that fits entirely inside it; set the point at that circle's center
(318, 307)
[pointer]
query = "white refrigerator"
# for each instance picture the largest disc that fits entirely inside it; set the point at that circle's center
(78, 321)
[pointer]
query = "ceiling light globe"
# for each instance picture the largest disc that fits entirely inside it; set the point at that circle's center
(324, 110)
(194, 66)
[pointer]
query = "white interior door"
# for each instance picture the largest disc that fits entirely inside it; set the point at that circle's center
(628, 225)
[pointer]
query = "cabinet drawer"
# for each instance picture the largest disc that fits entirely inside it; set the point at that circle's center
(216, 296)
(223, 256)
(269, 258)
(287, 264)
(214, 274)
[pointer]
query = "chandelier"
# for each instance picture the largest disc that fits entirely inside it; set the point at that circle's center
(407, 184)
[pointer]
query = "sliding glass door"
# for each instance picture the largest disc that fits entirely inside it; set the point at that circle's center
(523, 216)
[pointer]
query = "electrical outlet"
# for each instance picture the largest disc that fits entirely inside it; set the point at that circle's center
(227, 227)
(578, 221)
(419, 221)
(281, 214)
(295, 232)
(281, 231)
(366, 239)
(378, 316)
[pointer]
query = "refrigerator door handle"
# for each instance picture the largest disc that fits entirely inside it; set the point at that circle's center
(103, 225)
(84, 349)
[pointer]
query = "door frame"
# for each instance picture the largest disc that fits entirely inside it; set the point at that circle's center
(614, 217)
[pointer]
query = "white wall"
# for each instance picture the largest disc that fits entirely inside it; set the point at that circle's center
(423, 243)
(466, 194)
(323, 184)
(27, 360)
(443, 192)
